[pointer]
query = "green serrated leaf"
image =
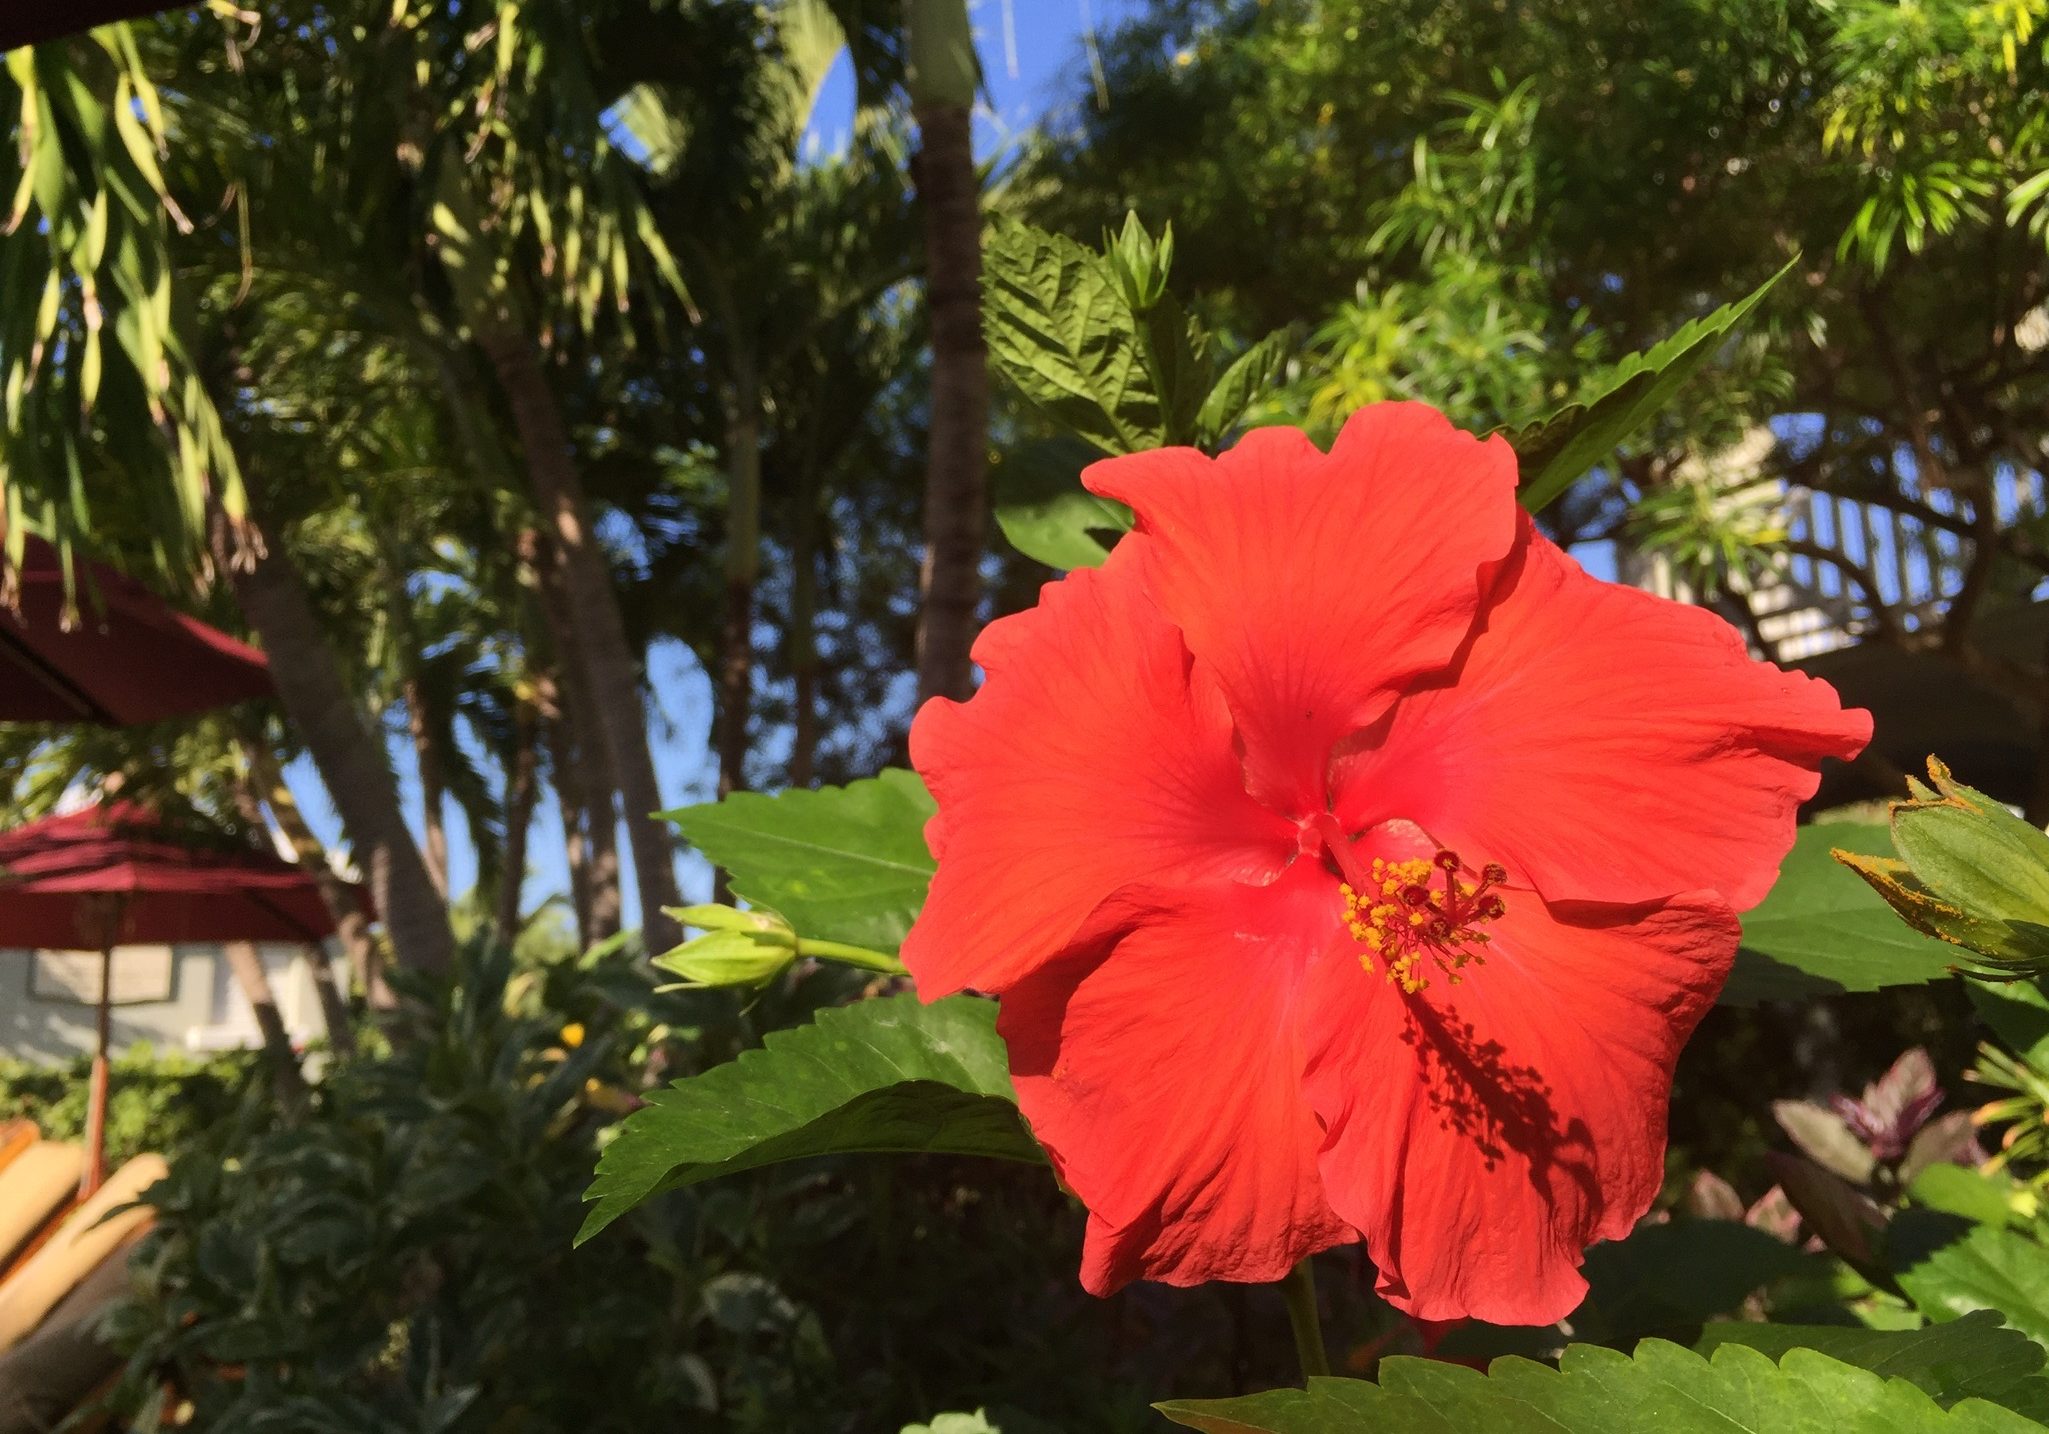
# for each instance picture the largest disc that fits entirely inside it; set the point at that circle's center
(840, 864)
(1557, 451)
(888, 1076)
(1242, 384)
(1060, 329)
(1822, 931)
(1975, 1357)
(1176, 356)
(1985, 1199)
(1662, 1389)
(1046, 513)
(2018, 1013)
(1949, 1266)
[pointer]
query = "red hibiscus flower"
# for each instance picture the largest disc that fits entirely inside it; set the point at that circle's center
(1350, 863)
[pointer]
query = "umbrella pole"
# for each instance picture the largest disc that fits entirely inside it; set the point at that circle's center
(96, 1097)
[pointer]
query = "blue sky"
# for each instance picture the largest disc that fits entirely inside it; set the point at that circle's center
(1035, 60)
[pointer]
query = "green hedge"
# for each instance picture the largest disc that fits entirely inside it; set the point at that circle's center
(158, 1100)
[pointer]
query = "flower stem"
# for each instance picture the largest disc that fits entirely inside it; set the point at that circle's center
(1299, 1290)
(851, 955)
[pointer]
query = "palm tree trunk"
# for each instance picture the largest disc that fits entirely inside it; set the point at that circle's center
(583, 782)
(433, 791)
(802, 638)
(344, 908)
(247, 966)
(520, 785)
(344, 903)
(584, 787)
(743, 570)
(576, 849)
(601, 647)
(942, 85)
(601, 836)
(334, 1011)
(349, 757)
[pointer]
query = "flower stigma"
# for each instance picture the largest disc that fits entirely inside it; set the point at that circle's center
(1398, 915)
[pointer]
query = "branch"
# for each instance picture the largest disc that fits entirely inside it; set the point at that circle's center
(1881, 615)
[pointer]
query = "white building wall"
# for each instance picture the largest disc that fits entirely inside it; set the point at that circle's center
(206, 1010)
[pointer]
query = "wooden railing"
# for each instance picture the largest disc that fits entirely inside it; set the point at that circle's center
(1849, 568)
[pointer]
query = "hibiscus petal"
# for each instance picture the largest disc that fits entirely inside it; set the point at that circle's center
(1163, 1076)
(1603, 744)
(1482, 1135)
(1092, 757)
(1313, 586)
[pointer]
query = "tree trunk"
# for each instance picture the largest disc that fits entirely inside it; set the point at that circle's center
(350, 759)
(590, 824)
(600, 647)
(336, 895)
(601, 837)
(334, 1010)
(247, 966)
(344, 902)
(568, 797)
(590, 815)
(520, 784)
(743, 570)
(942, 84)
(583, 777)
(433, 790)
(803, 641)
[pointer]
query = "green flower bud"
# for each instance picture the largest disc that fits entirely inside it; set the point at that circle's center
(1969, 872)
(731, 958)
(730, 918)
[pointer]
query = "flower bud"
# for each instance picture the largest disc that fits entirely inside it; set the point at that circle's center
(731, 958)
(1969, 872)
(730, 918)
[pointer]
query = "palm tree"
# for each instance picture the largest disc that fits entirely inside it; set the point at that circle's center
(98, 367)
(775, 253)
(927, 48)
(942, 79)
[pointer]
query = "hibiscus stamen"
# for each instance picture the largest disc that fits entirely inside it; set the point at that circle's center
(1393, 911)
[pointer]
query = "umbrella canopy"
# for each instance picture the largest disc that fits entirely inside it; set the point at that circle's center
(30, 22)
(65, 878)
(116, 873)
(131, 658)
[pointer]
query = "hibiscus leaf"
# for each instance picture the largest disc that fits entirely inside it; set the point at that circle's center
(1557, 451)
(1949, 1266)
(1822, 931)
(1046, 513)
(1665, 1280)
(1671, 1276)
(1061, 330)
(886, 1076)
(1975, 1357)
(840, 863)
(1981, 1198)
(1661, 1389)
(1241, 386)
(2018, 1012)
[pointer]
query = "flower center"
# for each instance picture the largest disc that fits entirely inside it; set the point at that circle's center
(1397, 914)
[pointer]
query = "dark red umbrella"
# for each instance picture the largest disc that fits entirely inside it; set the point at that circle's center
(117, 873)
(129, 658)
(30, 22)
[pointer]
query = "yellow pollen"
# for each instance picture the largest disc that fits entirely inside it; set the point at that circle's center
(1409, 920)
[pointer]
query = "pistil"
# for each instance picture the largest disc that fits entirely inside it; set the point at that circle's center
(1407, 913)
